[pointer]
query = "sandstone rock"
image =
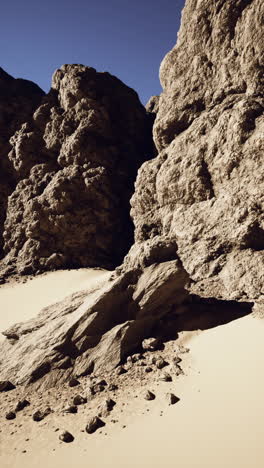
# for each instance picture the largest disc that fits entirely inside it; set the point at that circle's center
(165, 377)
(22, 404)
(106, 407)
(93, 424)
(151, 344)
(66, 436)
(79, 400)
(204, 191)
(148, 369)
(172, 399)
(112, 319)
(77, 160)
(149, 395)
(10, 415)
(39, 415)
(74, 382)
(152, 105)
(6, 386)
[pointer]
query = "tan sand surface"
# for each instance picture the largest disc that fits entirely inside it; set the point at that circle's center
(218, 423)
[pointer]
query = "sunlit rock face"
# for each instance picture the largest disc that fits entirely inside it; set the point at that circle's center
(18, 100)
(77, 161)
(205, 190)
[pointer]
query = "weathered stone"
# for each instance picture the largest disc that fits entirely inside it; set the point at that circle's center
(74, 382)
(159, 362)
(66, 436)
(11, 415)
(79, 400)
(172, 399)
(114, 317)
(77, 161)
(149, 395)
(39, 415)
(93, 424)
(165, 377)
(204, 191)
(18, 100)
(6, 386)
(151, 344)
(21, 405)
(106, 407)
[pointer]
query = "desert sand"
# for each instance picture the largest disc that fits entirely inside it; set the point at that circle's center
(218, 422)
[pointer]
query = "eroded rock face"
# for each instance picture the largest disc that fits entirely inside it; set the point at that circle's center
(205, 190)
(77, 160)
(92, 331)
(18, 100)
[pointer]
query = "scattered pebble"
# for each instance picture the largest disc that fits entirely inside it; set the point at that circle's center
(172, 399)
(74, 382)
(151, 344)
(93, 424)
(6, 386)
(71, 409)
(10, 415)
(165, 377)
(149, 395)
(21, 405)
(79, 400)
(66, 436)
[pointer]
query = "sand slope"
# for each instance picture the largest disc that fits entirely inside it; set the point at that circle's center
(218, 423)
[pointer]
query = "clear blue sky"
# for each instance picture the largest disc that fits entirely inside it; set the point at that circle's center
(128, 38)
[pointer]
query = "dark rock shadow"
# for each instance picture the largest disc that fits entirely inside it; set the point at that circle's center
(202, 314)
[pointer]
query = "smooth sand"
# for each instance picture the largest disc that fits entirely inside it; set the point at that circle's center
(219, 422)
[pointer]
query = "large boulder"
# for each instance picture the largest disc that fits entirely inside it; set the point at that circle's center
(205, 190)
(77, 161)
(95, 330)
(18, 100)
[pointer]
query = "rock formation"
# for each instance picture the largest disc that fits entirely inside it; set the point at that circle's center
(204, 191)
(18, 100)
(197, 207)
(76, 160)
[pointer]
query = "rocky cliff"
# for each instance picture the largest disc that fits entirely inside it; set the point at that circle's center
(76, 161)
(197, 207)
(205, 189)
(18, 100)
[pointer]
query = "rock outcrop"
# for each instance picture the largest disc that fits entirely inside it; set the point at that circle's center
(204, 191)
(197, 207)
(93, 331)
(18, 100)
(77, 161)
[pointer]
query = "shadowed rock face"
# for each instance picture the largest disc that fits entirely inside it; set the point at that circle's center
(205, 190)
(77, 160)
(18, 100)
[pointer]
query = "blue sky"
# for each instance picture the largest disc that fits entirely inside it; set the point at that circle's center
(128, 38)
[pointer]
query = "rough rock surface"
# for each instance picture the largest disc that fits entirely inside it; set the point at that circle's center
(204, 191)
(197, 209)
(77, 161)
(18, 100)
(92, 331)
